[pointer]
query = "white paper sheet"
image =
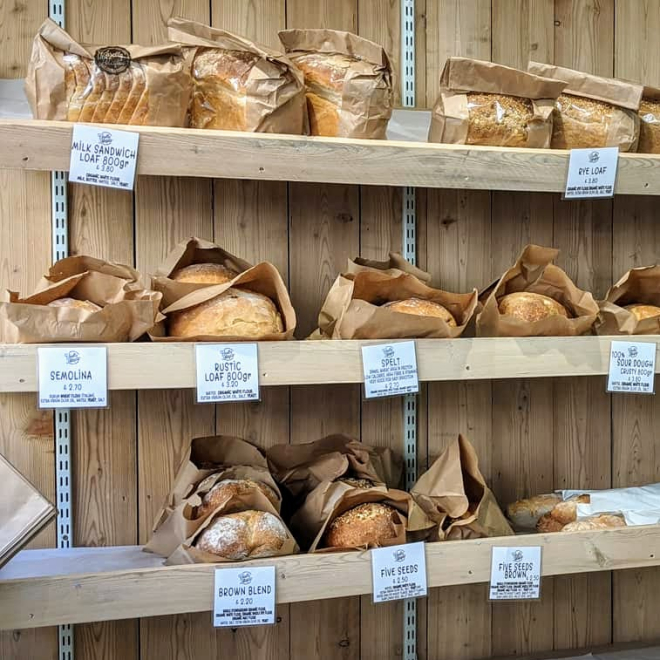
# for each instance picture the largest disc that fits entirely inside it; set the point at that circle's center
(13, 102)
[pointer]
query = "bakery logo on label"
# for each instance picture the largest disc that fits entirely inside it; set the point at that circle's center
(388, 351)
(399, 555)
(633, 352)
(105, 138)
(594, 157)
(112, 59)
(245, 577)
(518, 555)
(227, 354)
(72, 357)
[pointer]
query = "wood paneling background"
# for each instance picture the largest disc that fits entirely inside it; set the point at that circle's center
(531, 435)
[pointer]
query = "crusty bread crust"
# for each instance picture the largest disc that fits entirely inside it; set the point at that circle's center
(530, 307)
(420, 307)
(367, 525)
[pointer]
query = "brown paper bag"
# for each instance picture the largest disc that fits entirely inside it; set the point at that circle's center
(134, 85)
(649, 127)
(454, 495)
(128, 309)
(610, 122)
(361, 104)
(264, 94)
(491, 104)
(301, 468)
(396, 265)
(262, 278)
(637, 286)
(24, 512)
(209, 460)
(188, 253)
(534, 272)
(353, 309)
(413, 524)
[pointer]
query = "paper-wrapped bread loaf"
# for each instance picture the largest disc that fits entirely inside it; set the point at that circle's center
(227, 488)
(420, 307)
(135, 85)
(367, 525)
(530, 307)
(348, 82)
(207, 273)
(234, 313)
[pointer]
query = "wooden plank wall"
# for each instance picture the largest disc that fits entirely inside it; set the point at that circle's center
(531, 436)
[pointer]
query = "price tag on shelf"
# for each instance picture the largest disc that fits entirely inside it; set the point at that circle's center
(73, 377)
(103, 157)
(515, 573)
(227, 372)
(632, 367)
(399, 572)
(244, 597)
(390, 369)
(591, 173)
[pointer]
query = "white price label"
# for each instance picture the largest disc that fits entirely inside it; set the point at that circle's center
(399, 572)
(103, 157)
(227, 372)
(73, 377)
(390, 369)
(591, 173)
(244, 597)
(632, 367)
(515, 573)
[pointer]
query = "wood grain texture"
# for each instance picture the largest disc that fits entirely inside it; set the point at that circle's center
(635, 458)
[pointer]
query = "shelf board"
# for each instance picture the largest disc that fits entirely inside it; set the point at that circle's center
(45, 145)
(148, 366)
(52, 587)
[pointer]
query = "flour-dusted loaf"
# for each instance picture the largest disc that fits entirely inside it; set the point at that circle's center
(85, 305)
(243, 535)
(420, 307)
(525, 514)
(234, 313)
(207, 273)
(562, 514)
(603, 521)
(530, 307)
(135, 85)
(593, 111)
(227, 488)
(348, 82)
(367, 525)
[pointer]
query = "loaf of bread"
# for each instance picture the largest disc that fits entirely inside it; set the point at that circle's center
(491, 104)
(525, 514)
(347, 80)
(363, 484)
(243, 535)
(562, 514)
(642, 312)
(603, 521)
(593, 111)
(135, 85)
(420, 307)
(234, 313)
(227, 488)
(204, 274)
(367, 525)
(75, 304)
(530, 307)
(649, 128)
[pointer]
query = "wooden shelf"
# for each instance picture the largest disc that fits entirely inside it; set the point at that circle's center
(45, 145)
(51, 587)
(147, 366)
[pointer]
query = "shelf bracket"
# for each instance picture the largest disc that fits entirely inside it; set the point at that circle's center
(409, 221)
(63, 478)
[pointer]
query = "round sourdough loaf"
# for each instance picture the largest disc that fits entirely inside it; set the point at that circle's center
(603, 521)
(642, 312)
(243, 535)
(369, 524)
(76, 304)
(235, 313)
(525, 514)
(228, 488)
(204, 274)
(530, 307)
(420, 307)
